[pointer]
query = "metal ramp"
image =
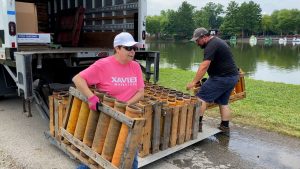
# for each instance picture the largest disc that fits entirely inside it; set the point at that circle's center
(207, 132)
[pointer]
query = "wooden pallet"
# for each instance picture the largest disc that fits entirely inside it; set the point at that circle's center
(233, 98)
(145, 144)
(164, 131)
(238, 93)
(74, 146)
(168, 126)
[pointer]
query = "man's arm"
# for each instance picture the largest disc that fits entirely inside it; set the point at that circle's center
(199, 75)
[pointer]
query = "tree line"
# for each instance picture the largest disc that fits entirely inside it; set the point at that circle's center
(242, 20)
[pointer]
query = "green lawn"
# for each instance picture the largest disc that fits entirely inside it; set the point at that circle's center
(269, 105)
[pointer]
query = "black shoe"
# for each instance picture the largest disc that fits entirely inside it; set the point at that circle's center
(200, 127)
(225, 130)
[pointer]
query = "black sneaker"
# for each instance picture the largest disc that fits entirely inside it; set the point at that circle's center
(200, 127)
(224, 129)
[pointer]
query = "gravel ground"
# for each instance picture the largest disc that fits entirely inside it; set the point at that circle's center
(6, 161)
(22, 140)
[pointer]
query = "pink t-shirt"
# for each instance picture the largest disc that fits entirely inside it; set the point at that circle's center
(121, 81)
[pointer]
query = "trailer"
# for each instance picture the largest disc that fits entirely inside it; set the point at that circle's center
(44, 43)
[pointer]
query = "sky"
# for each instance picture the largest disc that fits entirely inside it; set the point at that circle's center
(268, 6)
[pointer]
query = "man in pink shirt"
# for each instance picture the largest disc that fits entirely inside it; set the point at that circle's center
(117, 75)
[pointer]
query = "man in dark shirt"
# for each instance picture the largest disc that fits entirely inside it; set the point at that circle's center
(223, 75)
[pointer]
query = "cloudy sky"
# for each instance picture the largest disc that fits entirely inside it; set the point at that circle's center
(268, 6)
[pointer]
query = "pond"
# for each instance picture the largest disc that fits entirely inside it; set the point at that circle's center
(271, 62)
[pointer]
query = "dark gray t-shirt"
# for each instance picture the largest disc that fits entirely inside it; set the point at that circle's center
(219, 53)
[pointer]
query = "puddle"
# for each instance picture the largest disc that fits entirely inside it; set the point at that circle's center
(258, 151)
(246, 148)
(194, 158)
(242, 150)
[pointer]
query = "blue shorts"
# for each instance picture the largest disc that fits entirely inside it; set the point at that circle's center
(217, 89)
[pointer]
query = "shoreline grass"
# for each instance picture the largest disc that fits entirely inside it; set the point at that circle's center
(269, 105)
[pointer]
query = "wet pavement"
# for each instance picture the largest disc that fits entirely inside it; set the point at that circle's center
(245, 148)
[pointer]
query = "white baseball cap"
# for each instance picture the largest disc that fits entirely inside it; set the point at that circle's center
(125, 39)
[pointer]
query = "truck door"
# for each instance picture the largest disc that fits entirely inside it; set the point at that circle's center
(7, 27)
(7, 44)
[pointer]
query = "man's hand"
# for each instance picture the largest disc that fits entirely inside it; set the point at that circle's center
(190, 85)
(93, 102)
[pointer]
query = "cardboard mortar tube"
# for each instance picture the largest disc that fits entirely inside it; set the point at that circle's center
(113, 132)
(171, 101)
(133, 112)
(102, 127)
(90, 130)
(239, 85)
(76, 105)
(81, 122)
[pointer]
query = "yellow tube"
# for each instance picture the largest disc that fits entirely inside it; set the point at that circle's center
(102, 127)
(81, 122)
(73, 117)
(113, 132)
(133, 112)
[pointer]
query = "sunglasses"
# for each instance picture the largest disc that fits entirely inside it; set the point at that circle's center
(130, 48)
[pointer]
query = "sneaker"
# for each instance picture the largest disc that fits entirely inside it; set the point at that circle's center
(200, 127)
(225, 130)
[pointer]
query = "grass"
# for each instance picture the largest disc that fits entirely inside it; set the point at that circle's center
(269, 105)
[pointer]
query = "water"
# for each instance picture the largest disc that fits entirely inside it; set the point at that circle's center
(276, 63)
(245, 148)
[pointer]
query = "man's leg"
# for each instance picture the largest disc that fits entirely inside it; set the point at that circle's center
(225, 117)
(203, 107)
(226, 86)
(225, 112)
(201, 113)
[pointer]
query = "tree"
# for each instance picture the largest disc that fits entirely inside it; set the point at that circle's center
(274, 19)
(170, 27)
(209, 16)
(230, 25)
(165, 20)
(286, 21)
(153, 25)
(179, 23)
(249, 18)
(296, 20)
(266, 24)
(184, 24)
